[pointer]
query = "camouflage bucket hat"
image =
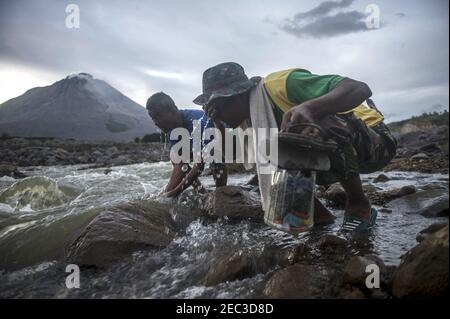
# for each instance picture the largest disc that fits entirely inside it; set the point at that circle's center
(224, 80)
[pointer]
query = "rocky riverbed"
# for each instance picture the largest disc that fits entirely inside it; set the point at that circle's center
(50, 152)
(96, 205)
(134, 244)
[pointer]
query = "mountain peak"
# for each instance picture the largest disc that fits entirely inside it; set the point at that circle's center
(81, 76)
(78, 106)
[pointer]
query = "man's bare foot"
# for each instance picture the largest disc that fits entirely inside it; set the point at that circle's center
(359, 210)
(322, 216)
(358, 205)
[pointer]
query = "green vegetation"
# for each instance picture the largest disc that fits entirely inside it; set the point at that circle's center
(435, 118)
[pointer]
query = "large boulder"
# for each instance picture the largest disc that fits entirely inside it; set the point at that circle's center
(116, 233)
(423, 272)
(430, 230)
(436, 207)
(234, 202)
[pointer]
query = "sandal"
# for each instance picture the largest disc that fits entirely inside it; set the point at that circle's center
(357, 225)
(292, 148)
(307, 141)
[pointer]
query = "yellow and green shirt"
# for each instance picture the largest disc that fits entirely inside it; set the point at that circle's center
(292, 87)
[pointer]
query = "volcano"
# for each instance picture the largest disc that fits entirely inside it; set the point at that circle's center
(79, 107)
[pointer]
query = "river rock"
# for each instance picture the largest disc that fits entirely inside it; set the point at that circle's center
(437, 207)
(420, 156)
(297, 282)
(292, 255)
(355, 270)
(399, 192)
(116, 233)
(235, 265)
(423, 271)
(330, 241)
(11, 171)
(382, 178)
(231, 267)
(336, 196)
(420, 202)
(425, 233)
(234, 202)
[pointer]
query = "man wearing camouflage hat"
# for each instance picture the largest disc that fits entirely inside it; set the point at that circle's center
(322, 107)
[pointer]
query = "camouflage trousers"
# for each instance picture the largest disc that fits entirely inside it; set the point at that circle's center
(361, 150)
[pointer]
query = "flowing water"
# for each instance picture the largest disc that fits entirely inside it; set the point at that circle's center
(41, 215)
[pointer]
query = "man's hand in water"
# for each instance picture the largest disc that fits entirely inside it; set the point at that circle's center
(173, 193)
(187, 181)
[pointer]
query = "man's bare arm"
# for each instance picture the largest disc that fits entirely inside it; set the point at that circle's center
(344, 97)
(175, 177)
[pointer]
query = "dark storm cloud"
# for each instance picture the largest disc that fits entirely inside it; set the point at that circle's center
(319, 23)
(142, 47)
(323, 9)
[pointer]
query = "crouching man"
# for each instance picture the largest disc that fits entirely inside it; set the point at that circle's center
(167, 117)
(318, 107)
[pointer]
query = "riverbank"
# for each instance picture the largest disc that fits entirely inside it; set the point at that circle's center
(23, 152)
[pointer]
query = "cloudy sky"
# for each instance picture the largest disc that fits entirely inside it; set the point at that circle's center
(142, 47)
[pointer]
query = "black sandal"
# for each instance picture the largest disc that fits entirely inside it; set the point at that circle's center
(303, 141)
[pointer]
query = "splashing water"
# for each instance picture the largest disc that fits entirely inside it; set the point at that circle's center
(35, 233)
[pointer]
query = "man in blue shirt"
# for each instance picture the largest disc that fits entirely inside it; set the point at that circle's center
(166, 115)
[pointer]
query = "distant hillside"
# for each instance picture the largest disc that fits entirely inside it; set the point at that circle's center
(79, 107)
(420, 123)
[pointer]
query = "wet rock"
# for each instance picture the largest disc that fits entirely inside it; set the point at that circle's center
(355, 270)
(235, 203)
(405, 190)
(336, 196)
(425, 233)
(232, 267)
(38, 193)
(329, 241)
(423, 272)
(297, 282)
(420, 156)
(116, 233)
(236, 265)
(382, 178)
(437, 207)
(11, 171)
(292, 255)
(107, 171)
(419, 202)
